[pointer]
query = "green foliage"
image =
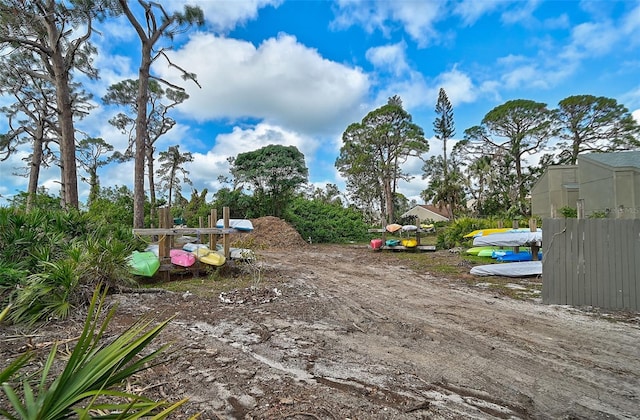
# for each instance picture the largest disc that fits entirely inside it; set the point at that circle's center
(453, 234)
(241, 205)
(568, 212)
(325, 222)
(172, 172)
(274, 172)
(372, 153)
(92, 377)
(51, 258)
(594, 124)
(598, 215)
(113, 206)
(509, 133)
(41, 199)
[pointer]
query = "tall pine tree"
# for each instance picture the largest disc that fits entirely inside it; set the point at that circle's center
(444, 129)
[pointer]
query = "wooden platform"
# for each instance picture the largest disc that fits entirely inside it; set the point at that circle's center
(404, 248)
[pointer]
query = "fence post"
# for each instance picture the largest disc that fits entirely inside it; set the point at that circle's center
(533, 226)
(580, 207)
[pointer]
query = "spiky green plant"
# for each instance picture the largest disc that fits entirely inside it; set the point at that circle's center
(90, 382)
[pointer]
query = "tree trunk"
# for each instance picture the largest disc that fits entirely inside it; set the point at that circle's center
(141, 137)
(94, 185)
(152, 187)
(69, 178)
(388, 198)
(34, 171)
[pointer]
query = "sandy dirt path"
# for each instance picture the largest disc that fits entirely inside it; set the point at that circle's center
(353, 334)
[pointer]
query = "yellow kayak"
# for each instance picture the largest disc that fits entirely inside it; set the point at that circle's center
(409, 243)
(485, 232)
(207, 256)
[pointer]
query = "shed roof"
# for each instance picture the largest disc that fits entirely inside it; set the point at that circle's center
(615, 159)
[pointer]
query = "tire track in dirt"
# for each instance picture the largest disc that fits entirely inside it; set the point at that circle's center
(533, 359)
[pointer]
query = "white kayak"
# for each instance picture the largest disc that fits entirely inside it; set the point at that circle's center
(239, 224)
(513, 269)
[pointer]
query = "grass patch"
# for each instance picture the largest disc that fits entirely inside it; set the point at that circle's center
(207, 284)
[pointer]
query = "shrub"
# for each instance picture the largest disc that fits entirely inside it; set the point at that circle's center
(325, 222)
(51, 260)
(92, 376)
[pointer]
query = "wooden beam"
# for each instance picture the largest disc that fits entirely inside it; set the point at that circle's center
(183, 231)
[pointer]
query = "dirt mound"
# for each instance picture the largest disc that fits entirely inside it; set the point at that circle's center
(269, 232)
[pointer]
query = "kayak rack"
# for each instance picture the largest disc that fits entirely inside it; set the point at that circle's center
(166, 234)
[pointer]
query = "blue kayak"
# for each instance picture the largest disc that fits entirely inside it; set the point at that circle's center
(519, 256)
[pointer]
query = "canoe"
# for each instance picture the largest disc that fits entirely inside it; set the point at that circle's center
(143, 263)
(182, 258)
(394, 227)
(244, 225)
(508, 239)
(409, 243)
(207, 256)
(513, 269)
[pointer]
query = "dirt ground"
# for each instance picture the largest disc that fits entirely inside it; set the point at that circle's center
(343, 332)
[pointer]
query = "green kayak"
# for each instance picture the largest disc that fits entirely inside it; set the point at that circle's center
(143, 263)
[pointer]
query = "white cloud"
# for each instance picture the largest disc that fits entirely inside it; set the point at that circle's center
(223, 16)
(392, 58)
(416, 17)
(458, 85)
(522, 13)
(470, 11)
(280, 81)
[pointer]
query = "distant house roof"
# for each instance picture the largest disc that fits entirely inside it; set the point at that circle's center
(428, 212)
(441, 211)
(615, 160)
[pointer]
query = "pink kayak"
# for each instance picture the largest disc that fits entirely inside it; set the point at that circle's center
(182, 258)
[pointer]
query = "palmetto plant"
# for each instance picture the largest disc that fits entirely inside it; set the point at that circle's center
(51, 260)
(89, 384)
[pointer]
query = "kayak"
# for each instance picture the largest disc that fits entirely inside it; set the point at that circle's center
(242, 254)
(409, 243)
(488, 231)
(519, 256)
(207, 256)
(392, 242)
(476, 250)
(244, 225)
(513, 269)
(143, 263)
(394, 227)
(182, 258)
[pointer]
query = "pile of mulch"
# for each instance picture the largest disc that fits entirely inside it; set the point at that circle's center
(268, 232)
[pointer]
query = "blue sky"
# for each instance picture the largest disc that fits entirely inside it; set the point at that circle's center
(299, 72)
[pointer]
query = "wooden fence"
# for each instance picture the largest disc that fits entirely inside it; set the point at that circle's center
(592, 262)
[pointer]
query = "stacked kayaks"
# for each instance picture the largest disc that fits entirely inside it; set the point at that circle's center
(500, 244)
(205, 255)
